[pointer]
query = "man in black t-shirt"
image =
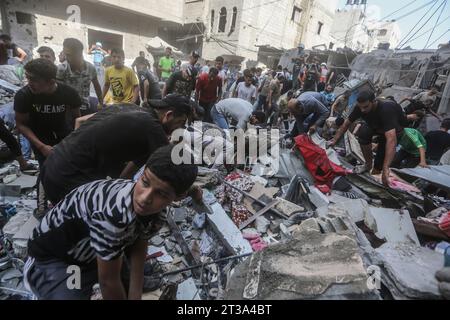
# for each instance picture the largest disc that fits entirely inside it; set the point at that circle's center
(181, 82)
(438, 142)
(43, 108)
(149, 86)
(140, 63)
(114, 143)
(384, 119)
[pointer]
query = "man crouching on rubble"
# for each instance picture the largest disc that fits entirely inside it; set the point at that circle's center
(84, 239)
(384, 119)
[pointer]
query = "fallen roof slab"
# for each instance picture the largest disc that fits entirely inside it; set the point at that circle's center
(438, 175)
(312, 266)
(408, 270)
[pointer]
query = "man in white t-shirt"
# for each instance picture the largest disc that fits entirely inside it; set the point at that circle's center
(246, 90)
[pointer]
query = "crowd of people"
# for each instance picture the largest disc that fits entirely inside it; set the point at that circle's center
(93, 218)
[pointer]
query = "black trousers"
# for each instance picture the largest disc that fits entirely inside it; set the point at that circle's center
(7, 137)
(207, 106)
(365, 137)
(405, 159)
(52, 280)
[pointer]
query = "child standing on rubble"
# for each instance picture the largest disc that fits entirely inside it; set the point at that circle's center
(101, 228)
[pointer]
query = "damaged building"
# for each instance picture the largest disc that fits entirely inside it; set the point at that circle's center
(131, 25)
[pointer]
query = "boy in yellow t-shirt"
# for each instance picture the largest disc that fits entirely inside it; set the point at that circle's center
(121, 84)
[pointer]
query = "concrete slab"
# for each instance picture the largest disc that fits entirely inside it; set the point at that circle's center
(24, 181)
(187, 290)
(392, 225)
(227, 230)
(312, 266)
(408, 270)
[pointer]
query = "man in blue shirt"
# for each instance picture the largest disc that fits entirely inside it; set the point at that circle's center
(99, 54)
(329, 95)
(309, 107)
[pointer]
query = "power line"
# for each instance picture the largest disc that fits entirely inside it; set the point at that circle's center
(437, 21)
(404, 7)
(401, 43)
(415, 10)
(439, 38)
(424, 33)
(437, 9)
(404, 16)
(261, 5)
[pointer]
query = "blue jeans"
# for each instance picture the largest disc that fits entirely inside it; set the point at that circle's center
(261, 103)
(219, 119)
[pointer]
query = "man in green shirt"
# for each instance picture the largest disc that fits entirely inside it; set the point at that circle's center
(412, 150)
(166, 65)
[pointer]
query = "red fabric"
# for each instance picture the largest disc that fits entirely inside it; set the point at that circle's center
(321, 168)
(444, 223)
(208, 88)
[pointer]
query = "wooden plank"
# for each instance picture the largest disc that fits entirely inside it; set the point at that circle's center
(258, 214)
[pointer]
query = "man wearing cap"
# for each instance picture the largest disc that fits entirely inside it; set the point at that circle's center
(123, 134)
(181, 82)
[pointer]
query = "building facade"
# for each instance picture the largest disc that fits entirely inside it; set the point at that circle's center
(247, 28)
(114, 23)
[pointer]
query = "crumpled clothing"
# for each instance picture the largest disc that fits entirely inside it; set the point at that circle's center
(257, 243)
(239, 214)
(224, 193)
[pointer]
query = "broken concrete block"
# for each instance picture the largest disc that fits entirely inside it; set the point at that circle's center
(262, 224)
(169, 245)
(179, 215)
(196, 233)
(9, 178)
(284, 230)
(317, 197)
(275, 225)
(156, 241)
(287, 207)
(227, 231)
(409, 270)
(199, 221)
(314, 266)
(15, 224)
(24, 181)
(355, 209)
(259, 192)
(187, 290)
(186, 234)
(392, 225)
(306, 226)
(206, 244)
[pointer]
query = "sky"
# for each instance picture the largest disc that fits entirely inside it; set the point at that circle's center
(382, 8)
